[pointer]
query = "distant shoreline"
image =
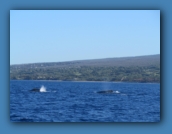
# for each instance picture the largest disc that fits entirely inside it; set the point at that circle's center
(143, 69)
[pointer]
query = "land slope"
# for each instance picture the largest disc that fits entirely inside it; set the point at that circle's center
(132, 69)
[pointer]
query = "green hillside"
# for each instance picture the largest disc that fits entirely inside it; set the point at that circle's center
(129, 69)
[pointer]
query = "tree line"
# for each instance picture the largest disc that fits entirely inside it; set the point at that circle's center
(89, 73)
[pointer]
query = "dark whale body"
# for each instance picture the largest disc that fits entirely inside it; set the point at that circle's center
(105, 91)
(35, 90)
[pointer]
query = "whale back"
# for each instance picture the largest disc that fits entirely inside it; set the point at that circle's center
(35, 90)
(105, 91)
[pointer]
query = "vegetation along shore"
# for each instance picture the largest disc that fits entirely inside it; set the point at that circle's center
(124, 69)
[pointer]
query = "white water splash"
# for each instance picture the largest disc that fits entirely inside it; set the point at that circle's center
(43, 89)
(117, 92)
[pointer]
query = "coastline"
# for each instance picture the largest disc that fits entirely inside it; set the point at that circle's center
(90, 81)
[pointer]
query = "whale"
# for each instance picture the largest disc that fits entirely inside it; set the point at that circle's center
(105, 91)
(35, 90)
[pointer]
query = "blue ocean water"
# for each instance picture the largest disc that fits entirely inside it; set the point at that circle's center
(80, 102)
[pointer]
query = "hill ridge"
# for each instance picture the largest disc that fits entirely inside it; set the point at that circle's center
(155, 57)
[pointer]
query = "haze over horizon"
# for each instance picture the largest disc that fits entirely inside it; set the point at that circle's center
(39, 36)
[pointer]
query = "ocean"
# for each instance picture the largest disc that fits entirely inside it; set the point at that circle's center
(67, 101)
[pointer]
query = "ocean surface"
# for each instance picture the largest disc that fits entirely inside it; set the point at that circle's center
(59, 101)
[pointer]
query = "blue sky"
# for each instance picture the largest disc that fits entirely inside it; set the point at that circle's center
(65, 35)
